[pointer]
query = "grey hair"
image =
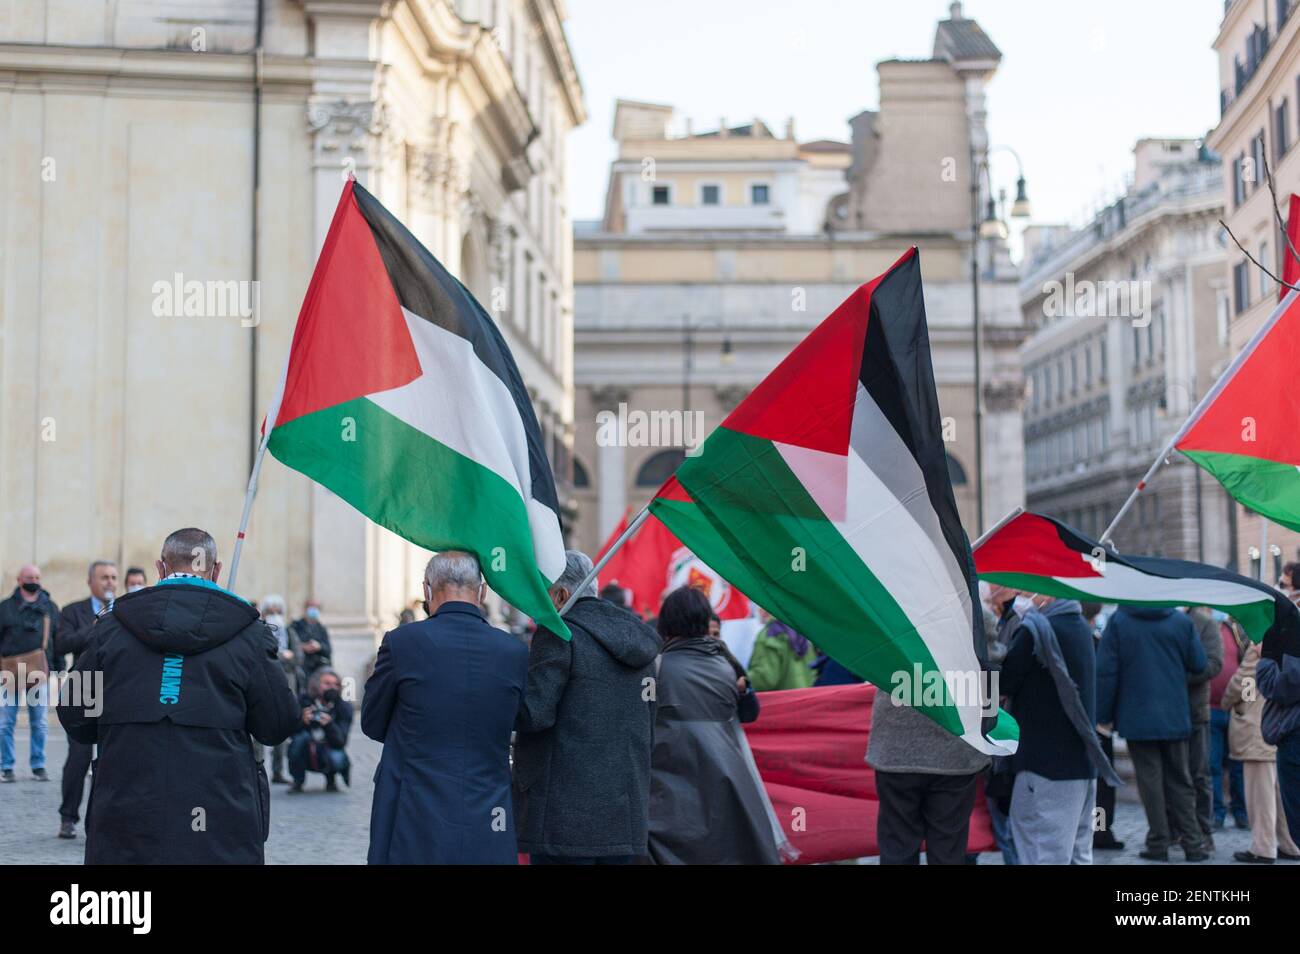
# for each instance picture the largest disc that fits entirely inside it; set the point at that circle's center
(272, 602)
(576, 567)
(453, 570)
(96, 564)
(189, 550)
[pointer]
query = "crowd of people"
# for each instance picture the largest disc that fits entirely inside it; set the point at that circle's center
(623, 743)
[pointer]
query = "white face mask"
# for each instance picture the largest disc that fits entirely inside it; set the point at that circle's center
(134, 589)
(108, 594)
(275, 619)
(1022, 605)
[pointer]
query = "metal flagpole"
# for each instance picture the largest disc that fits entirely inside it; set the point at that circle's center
(1263, 545)
(995, 528)
(625, 536)
(248, 507)
(1201, 405)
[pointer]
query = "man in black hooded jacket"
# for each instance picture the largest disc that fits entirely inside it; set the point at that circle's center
(189, 675)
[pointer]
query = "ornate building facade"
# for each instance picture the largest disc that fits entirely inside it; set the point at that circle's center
(1130, 330)
(207, 142)
(720, 249)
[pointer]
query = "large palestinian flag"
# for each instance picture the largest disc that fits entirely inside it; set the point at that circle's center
(1041, 555)
(825, 498)
(401, 397)
(1247, 431)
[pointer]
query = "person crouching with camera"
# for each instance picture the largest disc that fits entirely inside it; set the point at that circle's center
(320, 742)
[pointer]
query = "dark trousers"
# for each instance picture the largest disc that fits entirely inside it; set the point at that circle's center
(1288, 780)
(75, 768)
(1105, 799)
(916, 808)
(331, 761)
(1221, 765)
(1198, 765)
(1165, 787)
(560, 860)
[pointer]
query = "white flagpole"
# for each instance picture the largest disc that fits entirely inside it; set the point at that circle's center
(248, 508)
(1210, 395)
(625, 536)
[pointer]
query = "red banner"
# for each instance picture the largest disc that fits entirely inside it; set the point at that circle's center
(809, 746)
(654, 561)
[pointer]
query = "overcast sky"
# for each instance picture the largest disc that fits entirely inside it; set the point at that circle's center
(1078, 84)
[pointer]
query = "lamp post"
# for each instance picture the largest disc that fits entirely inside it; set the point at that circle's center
(991, 227)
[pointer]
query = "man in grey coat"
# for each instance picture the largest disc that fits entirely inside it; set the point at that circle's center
(582, 753)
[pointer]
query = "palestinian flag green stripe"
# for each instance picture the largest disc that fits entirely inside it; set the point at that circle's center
(1265, 486)
(781, 541)
(397, 475)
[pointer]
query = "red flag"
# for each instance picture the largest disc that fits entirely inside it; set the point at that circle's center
(1290, 266)
(809, 746)
(654, 561)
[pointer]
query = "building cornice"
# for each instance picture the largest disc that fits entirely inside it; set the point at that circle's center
(550, 17)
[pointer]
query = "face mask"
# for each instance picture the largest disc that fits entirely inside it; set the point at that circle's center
(1022, 605)
(313, 612)
(136, 588)
(275, 619)
(108, 595)
(330, 695)
(31, 587)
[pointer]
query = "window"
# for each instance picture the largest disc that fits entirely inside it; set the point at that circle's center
(759, 193)
(1240, 288)
(659, 468)
(1257, 154)
(661, 195)
(1238, 181)
(710, 194)
(1281, 130)
(1101, 354)
(581, 479)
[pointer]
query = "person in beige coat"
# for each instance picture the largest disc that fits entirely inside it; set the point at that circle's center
(1268, 829)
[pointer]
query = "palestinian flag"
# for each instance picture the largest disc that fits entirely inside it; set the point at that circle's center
(825, 498)
(654, 562)
(401, 397)
(1041, 555)
(1246, 432)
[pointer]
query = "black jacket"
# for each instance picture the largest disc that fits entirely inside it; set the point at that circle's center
(306, 629)
(75, 626)
(336, 733)
(189, 674)
(22, 625)
(582, 756)
(1049, 744)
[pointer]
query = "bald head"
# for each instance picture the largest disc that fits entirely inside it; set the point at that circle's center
(191, 551)
(29, 580)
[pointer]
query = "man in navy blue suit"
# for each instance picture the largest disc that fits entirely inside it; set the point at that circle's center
(443, 699)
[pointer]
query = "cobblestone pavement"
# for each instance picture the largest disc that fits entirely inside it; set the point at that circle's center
(319, 827)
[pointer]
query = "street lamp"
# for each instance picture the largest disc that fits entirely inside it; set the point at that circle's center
(990, 227)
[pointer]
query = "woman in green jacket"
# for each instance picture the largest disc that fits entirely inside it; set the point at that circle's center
(782, 659)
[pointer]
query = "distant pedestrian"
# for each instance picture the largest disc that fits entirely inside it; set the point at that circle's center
(1227, 780)
(289, 652)
(782, 659)
(29, 631)
(76, 627)
(1269, 837)
(1198, 744)
(319, 744)
(1278, 676)
(707, 802)
(443, 699)
(1143, 664)
(313, 638)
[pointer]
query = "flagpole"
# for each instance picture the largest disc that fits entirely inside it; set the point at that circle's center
(995, 528)
(248, 507)
(625, 536)
(1201, 405)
